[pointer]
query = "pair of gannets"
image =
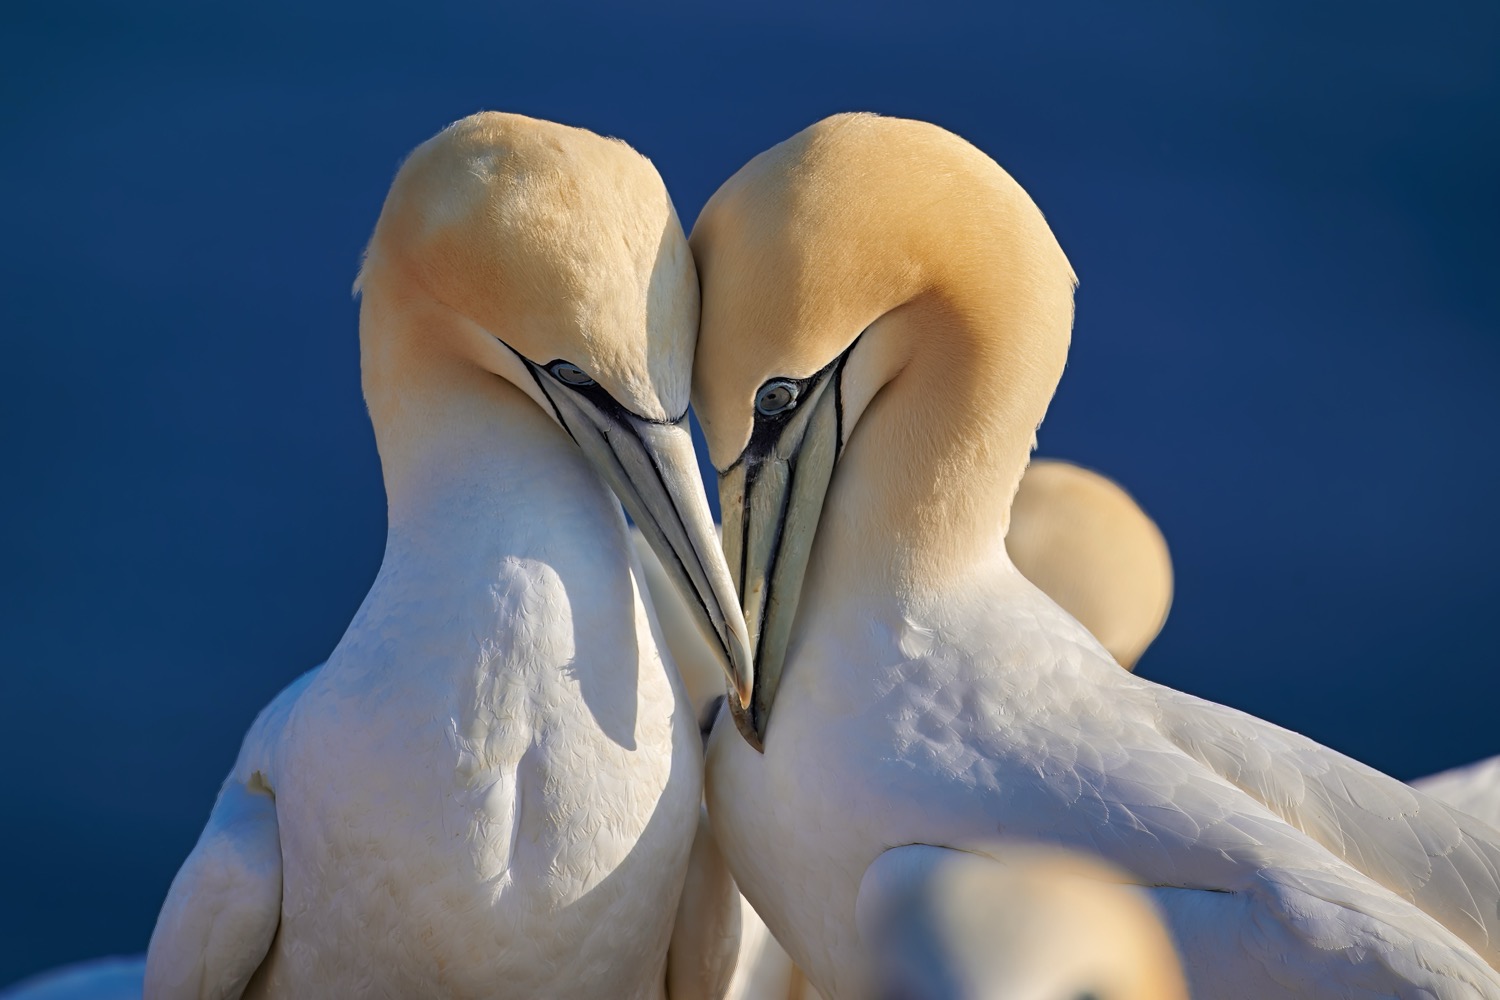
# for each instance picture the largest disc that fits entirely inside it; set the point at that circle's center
(1077, 534)
(462, 798)
(885, 318)
(487, 783)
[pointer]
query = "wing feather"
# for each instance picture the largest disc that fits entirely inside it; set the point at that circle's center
(1443, 861)
(222, 911)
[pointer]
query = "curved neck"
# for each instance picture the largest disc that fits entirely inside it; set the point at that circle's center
(921, 496)
(468, 459)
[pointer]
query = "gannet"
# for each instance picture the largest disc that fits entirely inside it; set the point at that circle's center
(1019, 923)
(118, 978)
(492, 786)
(1472, 788)
(885, 318)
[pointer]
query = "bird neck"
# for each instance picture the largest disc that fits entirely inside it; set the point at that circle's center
(921, 495)
(474, 470)
(507, 568)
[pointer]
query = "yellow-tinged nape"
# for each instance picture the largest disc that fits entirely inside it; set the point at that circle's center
(1090, 547)
(558, 241)
(908, 234)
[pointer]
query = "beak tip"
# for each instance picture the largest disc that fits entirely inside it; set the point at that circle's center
(741, 663)
(746, 726)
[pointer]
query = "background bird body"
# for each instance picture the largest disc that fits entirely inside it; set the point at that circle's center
(1017, 922)
(97, 979)
(1473, 788)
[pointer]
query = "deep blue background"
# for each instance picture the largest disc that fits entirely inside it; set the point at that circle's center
(1284, 216)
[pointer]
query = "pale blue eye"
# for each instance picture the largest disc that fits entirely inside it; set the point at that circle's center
(571, 374)
(776, 397)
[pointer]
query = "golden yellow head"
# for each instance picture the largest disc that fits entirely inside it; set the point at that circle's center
(860, 219)
(558, 242)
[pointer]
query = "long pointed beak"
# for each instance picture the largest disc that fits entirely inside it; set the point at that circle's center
(772, 500)
(653, 469)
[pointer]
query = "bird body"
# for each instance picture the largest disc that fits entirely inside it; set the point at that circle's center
(491, 787)
(885, 317)
(118, 978)
(511, 854)
(1472, 788)
(1042, 738)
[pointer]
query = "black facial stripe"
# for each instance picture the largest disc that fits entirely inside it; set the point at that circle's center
(596, 394)
(745, 528)
(661, 480)
(537, 378)
(838, 412)
(621, 419)
(767, 428)
(751, 474)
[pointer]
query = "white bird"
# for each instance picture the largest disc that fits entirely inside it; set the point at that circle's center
(1472, 788)
(1018, 923)
(1075, 533)
(491, 787)
(885, 318)
(97, 979)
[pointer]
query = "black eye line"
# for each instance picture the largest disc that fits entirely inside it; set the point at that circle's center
(765, 427)
(594, 391)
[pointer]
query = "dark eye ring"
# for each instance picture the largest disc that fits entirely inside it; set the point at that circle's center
(776, 396)
(571, 374)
